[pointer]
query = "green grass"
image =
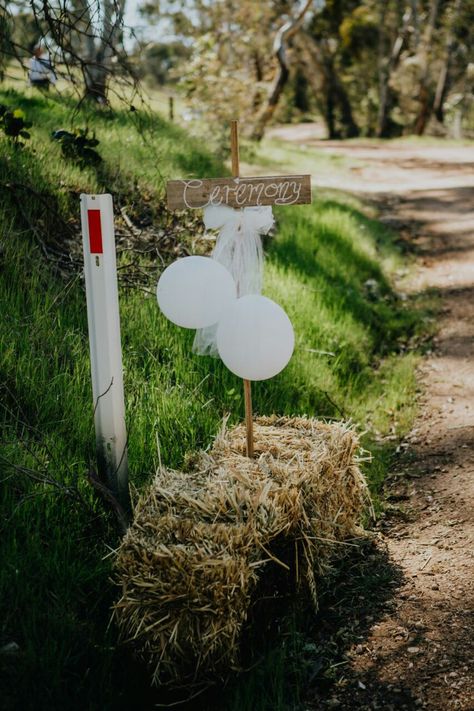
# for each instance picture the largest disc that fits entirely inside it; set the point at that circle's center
(330, 267)
(140, 149)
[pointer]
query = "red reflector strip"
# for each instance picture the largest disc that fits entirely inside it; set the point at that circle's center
(95, 231)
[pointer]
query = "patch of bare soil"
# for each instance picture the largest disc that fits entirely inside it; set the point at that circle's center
(416, 651)
(391, 166)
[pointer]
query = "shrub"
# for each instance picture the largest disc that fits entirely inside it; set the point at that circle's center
(78, 146)
(13, 123)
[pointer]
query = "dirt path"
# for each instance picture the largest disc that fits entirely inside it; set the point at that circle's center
(419, 653)
(425, 646)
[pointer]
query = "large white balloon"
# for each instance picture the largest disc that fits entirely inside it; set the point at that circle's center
(193, 292)
(255, 338)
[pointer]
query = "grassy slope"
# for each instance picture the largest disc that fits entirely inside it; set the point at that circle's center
(54, 589)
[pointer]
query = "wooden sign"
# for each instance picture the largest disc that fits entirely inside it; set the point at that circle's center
(239, 192)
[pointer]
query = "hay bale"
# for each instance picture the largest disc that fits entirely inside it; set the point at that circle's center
(201, 540)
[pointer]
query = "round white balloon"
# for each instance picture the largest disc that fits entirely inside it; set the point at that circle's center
(255, 338)
(193, 292)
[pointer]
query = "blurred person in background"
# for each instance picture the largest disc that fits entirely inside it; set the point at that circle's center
(41, 72)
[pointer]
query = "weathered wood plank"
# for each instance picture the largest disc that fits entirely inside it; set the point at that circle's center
(239, 192)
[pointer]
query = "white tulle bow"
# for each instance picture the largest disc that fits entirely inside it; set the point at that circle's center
(239, 249)
(258, 219)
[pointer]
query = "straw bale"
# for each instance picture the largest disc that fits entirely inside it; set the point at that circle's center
(201, 540)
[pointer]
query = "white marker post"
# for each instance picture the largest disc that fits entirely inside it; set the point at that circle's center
(103, 318)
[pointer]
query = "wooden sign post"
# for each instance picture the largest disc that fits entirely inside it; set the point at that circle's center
(238, 192)
(235, 159)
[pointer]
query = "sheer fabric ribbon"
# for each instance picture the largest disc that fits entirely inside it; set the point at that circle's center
(239, 249)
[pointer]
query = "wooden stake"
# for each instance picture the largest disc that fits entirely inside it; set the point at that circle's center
(248, 416)
(234, 151)
(234, 148)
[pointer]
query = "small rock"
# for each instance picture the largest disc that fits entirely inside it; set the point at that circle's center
(413, 650)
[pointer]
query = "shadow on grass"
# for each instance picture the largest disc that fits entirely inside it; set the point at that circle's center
(355, 280)
(313, 655)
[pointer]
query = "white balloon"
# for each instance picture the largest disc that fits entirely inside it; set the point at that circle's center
(255, 338)
(193, 292)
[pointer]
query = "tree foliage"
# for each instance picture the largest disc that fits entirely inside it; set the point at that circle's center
(376, 67)
(370, 67)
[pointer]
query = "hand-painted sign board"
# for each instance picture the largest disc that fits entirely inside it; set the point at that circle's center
(239, 192)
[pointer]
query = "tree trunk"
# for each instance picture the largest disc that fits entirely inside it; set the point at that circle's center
(257, 94)
(442, 86)
(349, 126)
(425, 110)
(386, 66)
(95, 81)
(325, 81)
(441, 91)
(272, 103)
(424, 91)
(415, 13)
(383, 75)
(99, 51)
(329, 115)
(279, 46)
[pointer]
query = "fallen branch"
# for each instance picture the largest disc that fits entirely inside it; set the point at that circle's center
(107, 496)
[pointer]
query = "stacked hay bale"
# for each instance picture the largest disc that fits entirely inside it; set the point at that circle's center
(201, 540)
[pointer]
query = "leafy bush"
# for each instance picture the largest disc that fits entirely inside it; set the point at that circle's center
(78, 146)
(13, 123)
